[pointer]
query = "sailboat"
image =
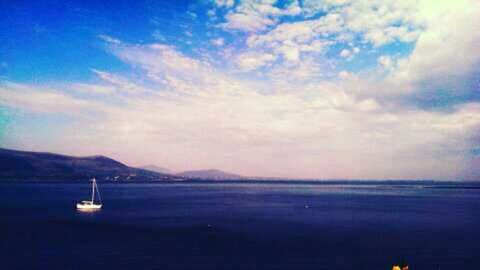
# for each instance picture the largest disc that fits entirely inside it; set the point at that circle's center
(91, 205)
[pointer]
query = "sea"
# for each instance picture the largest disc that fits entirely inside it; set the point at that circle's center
(240, 225)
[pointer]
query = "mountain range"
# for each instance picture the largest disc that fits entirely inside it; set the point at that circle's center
(26, 165)
(155, 168)
(211, 174)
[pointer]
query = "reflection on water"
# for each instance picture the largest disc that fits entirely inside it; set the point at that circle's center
(88, 210)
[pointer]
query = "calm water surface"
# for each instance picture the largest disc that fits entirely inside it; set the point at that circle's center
(239, 226)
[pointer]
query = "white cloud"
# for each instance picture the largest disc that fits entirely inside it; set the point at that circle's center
(447, 49)
(289, 51)
(160, 61)
(218, 41)
(344, 74)
(225, 3)
(368, 105)
(386, 62)
(443, 33)
(381, 22)
(301, 32)
(109, 39)
(247, 22)
(44, 100)
(318, 129)
(119, 82)
(297, 73)
(94, 89)
(345, 53)
(293, 9)
(349, 54)
(376, 22)
(251, 61)
(258, 15)
(292, 40)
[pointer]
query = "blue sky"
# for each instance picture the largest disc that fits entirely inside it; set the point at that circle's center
(311, 89)
(47, 42)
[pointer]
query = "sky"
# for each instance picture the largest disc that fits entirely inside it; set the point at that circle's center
(318, 89)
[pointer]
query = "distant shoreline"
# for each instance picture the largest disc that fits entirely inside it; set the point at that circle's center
(397, 183)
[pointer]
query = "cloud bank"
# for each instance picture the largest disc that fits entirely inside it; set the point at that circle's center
(285, 101)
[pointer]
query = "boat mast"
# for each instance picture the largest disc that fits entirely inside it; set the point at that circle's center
(98, 193)
(93, 189)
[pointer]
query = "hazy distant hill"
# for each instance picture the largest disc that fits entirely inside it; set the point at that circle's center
(211, 174)
(22, 165)
(158, 169)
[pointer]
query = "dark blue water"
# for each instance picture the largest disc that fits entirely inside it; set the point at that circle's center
(239, 226)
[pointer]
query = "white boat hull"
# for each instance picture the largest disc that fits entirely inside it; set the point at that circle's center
(88, 206)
